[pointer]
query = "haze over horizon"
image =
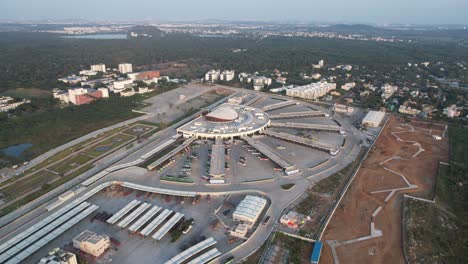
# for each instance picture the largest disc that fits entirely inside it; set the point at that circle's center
(333, 11)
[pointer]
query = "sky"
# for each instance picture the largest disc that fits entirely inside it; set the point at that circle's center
(325, 11)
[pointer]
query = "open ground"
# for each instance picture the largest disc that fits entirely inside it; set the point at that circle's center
(366, 227)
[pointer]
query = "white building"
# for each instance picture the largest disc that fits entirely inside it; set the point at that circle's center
(452, 111)
(59, 256)
(125, 68)
(408, 110)
(6, 103)
(373, 119)
(91, 243)
(98, 67)
(316, 76)
(311, 91)
(388, 90)
(249, 210)
(340, 108)
(348, 86)
(121, 84)
(212, 75)
(227, 75)
(88, 72)
(240, 231)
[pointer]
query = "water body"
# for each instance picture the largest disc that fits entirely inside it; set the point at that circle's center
(16, 150)
(102, 148)
(97, 36)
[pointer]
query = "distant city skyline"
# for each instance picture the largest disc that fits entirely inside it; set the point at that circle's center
(332, 11)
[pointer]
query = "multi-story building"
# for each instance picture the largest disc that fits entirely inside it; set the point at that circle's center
(7, 103)
(340, 108)
(121, 84)
(212, 75)
(101, 67)
(59, 256)
(125, 68)
(88, 72)
(408, 110)
(227, 75)
(452, 111)
(348, 86)
(388, 90)
(79, 96)
(144, 76)
(311, 91)
(91, 243)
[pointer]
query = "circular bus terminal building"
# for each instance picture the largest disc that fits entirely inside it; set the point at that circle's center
(226, 122)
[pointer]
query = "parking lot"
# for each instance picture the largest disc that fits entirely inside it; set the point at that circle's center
(135, 247)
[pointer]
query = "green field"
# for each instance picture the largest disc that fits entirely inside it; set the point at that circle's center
(138, 130)
(70, 164)
(107, 145)
(22, 187)
(438, 233)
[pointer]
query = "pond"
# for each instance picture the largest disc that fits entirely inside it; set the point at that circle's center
(16, 150)
(102, 148)
(97, 36)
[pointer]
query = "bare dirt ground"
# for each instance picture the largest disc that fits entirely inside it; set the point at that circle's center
(405, 156)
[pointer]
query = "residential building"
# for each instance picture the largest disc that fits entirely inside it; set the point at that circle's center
(227, 75)
(373, 119)
(281, 80)
(101, 67)
(348, 86)
(316, 76)
(7, 103)
(125, 68)
(408, 110)
(91, 243)
(59, 256)
(73, 79)
(311, 91)
(339, 108)
(212, 75)
(122, 84)
(388, 90)
(452, 111)
(88, 72)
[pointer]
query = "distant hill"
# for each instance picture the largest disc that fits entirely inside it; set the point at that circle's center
(356, 29)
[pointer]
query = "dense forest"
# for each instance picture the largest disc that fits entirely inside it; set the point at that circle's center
(36, 60)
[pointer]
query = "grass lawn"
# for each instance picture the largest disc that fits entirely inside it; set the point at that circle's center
(70, 164)
(23, 186)
(108, 144)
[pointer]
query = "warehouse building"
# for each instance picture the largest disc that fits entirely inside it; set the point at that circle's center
(373, 119)
(91, 243)
(249, 210)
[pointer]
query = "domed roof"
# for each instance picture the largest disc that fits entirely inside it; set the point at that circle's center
(223, 113)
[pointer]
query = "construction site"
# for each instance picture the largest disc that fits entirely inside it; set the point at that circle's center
(367, 224)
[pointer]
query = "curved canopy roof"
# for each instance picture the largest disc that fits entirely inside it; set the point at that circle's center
(223, 113)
